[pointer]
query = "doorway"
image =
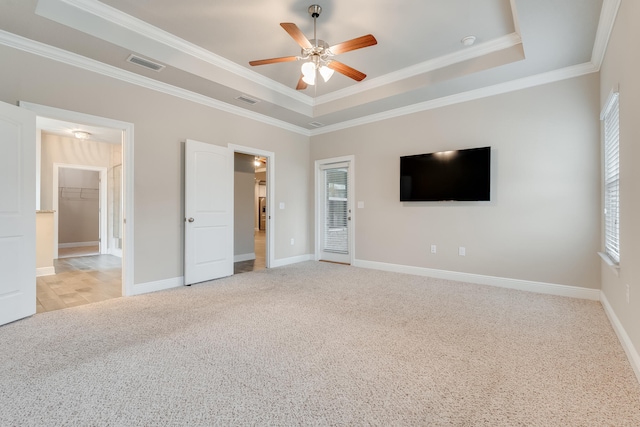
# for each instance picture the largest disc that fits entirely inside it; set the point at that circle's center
(85, 199)
(334, 210)
(250, 212)
(253, 183)
(118, 245)
(80, 204)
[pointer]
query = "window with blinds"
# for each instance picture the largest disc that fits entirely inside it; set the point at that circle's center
(610, 116)
(336, 232)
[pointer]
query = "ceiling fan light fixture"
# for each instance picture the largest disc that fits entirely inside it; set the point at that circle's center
(309, 73)
(317, 54)
(326, 73)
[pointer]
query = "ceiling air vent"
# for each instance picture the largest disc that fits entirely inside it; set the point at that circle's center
(316, 124)
(247, 99)
(138, 60)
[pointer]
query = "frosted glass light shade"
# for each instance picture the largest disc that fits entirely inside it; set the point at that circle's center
(326, 73)
(309, 73)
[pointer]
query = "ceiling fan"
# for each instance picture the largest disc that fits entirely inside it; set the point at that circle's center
(318, 55)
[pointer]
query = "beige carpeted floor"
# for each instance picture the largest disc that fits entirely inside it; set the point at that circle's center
(319, 344)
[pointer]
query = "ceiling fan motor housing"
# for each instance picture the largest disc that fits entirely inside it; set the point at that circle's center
(315, 10)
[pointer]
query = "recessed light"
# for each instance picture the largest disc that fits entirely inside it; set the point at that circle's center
(468, 40)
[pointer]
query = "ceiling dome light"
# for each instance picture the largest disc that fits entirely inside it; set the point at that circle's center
(80, 134)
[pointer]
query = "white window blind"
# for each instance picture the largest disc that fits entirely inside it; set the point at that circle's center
(336, 238)
(610, 116)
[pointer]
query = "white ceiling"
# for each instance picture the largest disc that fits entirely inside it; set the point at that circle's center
(419, 61)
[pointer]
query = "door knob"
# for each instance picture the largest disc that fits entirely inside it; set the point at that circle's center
(191, 220)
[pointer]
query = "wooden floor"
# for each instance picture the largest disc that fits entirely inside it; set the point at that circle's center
(255, 264)
(82, 279)
(79, 280)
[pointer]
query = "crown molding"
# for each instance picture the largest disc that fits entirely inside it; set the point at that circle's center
(56, 54)
(605, 27)
(607, 20)
(75, 60)
(482, 49)
(511, 86)
(121, 19)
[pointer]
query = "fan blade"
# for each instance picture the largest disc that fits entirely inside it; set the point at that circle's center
(346, 70)
(297, 35)
(274, 60)
(353, 44)
(301, 84)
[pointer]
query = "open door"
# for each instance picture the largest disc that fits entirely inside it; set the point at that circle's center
(17, 213)
(208, 247)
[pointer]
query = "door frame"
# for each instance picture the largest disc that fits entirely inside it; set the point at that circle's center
(319, 201)
(102, 213)
(271, 172)
(127, 176)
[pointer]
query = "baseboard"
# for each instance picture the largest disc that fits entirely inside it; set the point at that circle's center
(292, 260)
(244, 257)
(45, 271)
(115, 252)
(502, 282)
(77, 244)
(159, 285)
(632, 353)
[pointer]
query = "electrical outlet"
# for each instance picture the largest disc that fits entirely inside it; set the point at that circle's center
(462, 251)
(433, 249)
(628, 293)
(292, 241)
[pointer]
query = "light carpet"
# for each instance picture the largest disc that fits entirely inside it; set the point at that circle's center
(319, 344)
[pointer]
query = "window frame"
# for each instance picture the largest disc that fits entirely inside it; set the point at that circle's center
(610, 117)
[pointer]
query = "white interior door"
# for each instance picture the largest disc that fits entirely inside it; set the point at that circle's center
(335, 212)
(208, 249)
(17, 213)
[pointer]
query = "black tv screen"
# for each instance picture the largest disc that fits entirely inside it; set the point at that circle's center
(461, 175)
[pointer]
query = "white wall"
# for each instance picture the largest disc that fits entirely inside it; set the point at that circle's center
(60, 149)
(542, 223)
(622, 67)
(243, 205)
(162, 124)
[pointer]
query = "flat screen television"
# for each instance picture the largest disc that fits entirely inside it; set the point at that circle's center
(461, 175)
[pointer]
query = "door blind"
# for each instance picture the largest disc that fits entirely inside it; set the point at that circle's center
(612, 179)
(336, 238)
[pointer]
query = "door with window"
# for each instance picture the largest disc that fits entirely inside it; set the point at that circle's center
(334, 210)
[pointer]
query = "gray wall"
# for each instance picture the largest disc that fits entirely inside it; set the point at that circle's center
(243, 204)
(162, 124)
(621, 67)
(542, 223)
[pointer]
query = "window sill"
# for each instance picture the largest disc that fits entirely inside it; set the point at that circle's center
(612, 265)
